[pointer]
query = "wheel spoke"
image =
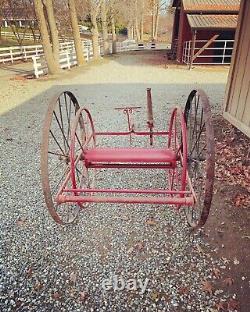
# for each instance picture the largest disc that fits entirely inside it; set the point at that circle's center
(64, 137)
(57, 142)
(55, 167)
(198, 164)
(57, 154)
(61, 179)
(197, 140)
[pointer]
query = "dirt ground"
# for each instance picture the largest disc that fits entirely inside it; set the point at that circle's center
(228, 228)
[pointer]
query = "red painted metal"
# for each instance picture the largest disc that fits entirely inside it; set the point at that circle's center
(130, 166)
(73, 157)
(83, 153)
(150, 121)
(129, 155)
(143, 133)
(187, 201)
(126, 191)
(179, 144)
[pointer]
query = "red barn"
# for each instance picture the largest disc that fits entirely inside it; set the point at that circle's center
(204, 30)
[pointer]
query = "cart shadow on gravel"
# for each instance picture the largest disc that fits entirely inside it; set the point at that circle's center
(47, 266)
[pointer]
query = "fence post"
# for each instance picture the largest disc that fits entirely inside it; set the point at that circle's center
(25, 54)
(11, 55)
(34, 59)
(68, 59)
(224, 51)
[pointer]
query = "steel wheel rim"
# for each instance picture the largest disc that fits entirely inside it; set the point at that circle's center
(57, 127)
(201, 156)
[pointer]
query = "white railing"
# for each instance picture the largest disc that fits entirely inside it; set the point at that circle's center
(134, 46)
(11, 54)
(219, 52)
(67, 59)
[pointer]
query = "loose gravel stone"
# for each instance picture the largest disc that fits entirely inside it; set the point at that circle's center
(47, 267)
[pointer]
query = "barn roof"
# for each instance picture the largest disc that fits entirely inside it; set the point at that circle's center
(213, 22)
(211, 6)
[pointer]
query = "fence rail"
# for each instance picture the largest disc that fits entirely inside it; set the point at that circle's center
(67, 58)
(219, 52)
(134, 46)
(11, 54)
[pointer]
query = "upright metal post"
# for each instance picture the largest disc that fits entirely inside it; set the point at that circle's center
(192, 49)
(150, 121)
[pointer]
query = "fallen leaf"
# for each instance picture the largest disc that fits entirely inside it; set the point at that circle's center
(155, 296)
(207, 287)
(72, 277)
(29, 272)
(233, 304)
(201, 251)
(21, 221)
(38, 286)
(56, 296)
(125, 218)
(151, 221)
(228, 281)
(130, 250)
(221, 306)
(83, 296)
(139, 246)
(184, 290)
(216, 272)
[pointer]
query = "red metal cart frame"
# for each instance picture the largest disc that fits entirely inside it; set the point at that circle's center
(69, 137)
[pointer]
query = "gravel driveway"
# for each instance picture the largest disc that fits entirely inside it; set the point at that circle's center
(46, 267)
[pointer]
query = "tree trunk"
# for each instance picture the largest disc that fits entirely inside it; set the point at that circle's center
(156, 22)
(53, 66)
(130, 31)
(114, 37)
(76, 33)
(95, 35)
(153, 23)
(137, 29)
(142, 30)
(142, 22)
(105, 28)
(53, 29)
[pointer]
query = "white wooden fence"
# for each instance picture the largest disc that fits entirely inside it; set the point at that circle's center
(131, 45)
(11, 54)
(67, 59)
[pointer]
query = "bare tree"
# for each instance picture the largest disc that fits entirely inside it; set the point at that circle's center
(114, 36)
(53, 29)
(53, 65)
(94, 10)
(1, 16)
(76, 33)
(155, 8)
(105, 27)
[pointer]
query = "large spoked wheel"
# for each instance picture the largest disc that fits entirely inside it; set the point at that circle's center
(201, 156)
(82, 138)
(177, 142)
(55, 154)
